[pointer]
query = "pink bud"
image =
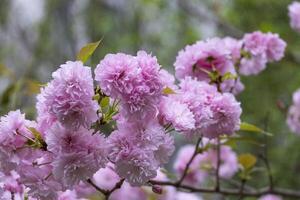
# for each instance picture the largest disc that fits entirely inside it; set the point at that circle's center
(157, 189)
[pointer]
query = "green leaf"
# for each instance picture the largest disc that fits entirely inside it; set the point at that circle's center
(11, 93)
(214, 75)
(86, 51)
(244, 126)
(33, 87)
(35, 133)
(38, 140)
(228, 76)
(96, 97)
(247, 161)
(5, 71)
(167, 91)
(104, 103)
(231, 141)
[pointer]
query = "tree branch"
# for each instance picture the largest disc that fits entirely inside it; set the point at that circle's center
(185, 172)
(107, 193)
(218, 165)
(231, 192)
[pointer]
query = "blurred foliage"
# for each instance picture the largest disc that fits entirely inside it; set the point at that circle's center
(163, 27)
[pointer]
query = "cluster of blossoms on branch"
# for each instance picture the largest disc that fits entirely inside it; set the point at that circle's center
(293, 116)
(66, 148)
(294, 14)
(294, 113)
(228, 58)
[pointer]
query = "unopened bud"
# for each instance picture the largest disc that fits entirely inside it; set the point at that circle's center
(157, 189)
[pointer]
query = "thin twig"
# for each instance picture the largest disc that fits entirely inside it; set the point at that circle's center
(104, 192)
(218, 165)
(12, 195)
(231, 192)
(107, 193)
(242, 188)
(266, 152)
(237, 184)
(185, 172)
(269, 173)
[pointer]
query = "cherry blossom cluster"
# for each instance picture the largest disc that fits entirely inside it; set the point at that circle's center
(293, 117)
(294, 14)
(68, 146)
(205, 164)
(227, 58)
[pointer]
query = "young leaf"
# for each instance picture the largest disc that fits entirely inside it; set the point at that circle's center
(244, 126)
(167, 91)
(86, 51)
(228, 76)
(104, 103)
(247, 161)
(5, 71)
(231, 141)
(33, 87)
(38, 140)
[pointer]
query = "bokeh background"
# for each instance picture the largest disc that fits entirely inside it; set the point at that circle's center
(36, 36)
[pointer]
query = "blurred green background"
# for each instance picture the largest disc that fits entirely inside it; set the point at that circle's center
(36, 36)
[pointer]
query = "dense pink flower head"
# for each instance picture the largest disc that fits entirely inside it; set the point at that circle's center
(138, 150)
(68, 98)
(167, 79)
(225, 119)
(258, 49)
(14, 130)
(177, 113)
(275, 47)
(296, 97)
(135, 80)
(214, 113)
(13, 136)
(255, 58)
(255, 43)
(34, 169)
(293, 119)
(294, 14)
(293, 116)
(253, 65)
(234, 47)
(79, 154)
(203, 56)
(11, 183)
(270, 197)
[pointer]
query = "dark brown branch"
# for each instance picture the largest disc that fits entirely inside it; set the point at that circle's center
(106, 193)
(264, 157)
(232, 192)
(185, 172)
(12, 195)
(238, 184)
(242, 188)
(218, 165)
